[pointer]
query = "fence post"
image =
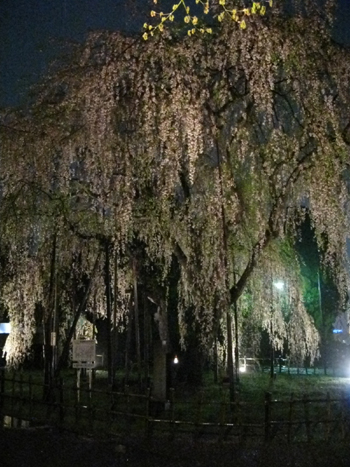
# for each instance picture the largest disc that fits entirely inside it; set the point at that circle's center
(61, 410)
(2, 389)
(344, 412)
(329, 416)
(30, 395)
(20, 398)
(13, 381)
(199, 413)
(127, 396)
(222, 418)
(307, 419)
(172, 412)
(148, 422)
(290, 417)
(267, 416)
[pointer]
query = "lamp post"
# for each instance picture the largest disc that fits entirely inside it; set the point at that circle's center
(279, 285)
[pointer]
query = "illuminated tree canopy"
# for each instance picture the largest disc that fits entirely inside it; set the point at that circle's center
(204, 149)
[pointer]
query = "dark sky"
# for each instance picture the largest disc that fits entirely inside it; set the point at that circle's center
(29, 30)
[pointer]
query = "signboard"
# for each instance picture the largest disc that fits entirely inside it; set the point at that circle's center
(84, 353)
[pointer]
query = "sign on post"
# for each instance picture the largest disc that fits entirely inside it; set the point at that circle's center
(84, 354)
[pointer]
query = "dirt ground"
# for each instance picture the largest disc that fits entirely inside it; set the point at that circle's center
(47, 447)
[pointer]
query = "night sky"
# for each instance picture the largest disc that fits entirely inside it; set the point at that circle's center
(31, 30)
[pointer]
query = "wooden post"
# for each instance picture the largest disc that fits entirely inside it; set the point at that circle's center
(77, 397)
(147, 418)
(199, 413)
(111, 409)
(13, 392)
(20, 396)
(127, 396)
(78, 384)
(2, 389)
(344, 409)
(267, 416)
(290, 417)
(172, 412)
(30, 395)
(61, 399)
(329, 416)
(222, 417)
(89, 402)
(307, 418)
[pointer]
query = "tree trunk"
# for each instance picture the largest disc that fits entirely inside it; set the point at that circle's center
(146, 338)
(115, 331)
(235, 316)
(49, 323)
(230, 368)
(65, 351)
(109, 312)
(137, 324)
(128, 343)
(216, 366)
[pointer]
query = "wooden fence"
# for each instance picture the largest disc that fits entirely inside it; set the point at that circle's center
(25, 401)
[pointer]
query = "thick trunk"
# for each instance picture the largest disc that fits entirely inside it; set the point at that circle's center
(128, 343)
(115, 330)
(146, 338)
(109, 312)
(49, 323)
(65, 352)
(137, 323)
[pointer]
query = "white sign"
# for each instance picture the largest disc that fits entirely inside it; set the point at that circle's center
(84, 351)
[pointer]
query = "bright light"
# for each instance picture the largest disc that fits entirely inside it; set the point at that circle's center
(5, 328)
(242, 369)
(176, 360)
(279, 285)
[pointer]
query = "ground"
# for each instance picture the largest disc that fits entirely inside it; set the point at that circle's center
(47, 447)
